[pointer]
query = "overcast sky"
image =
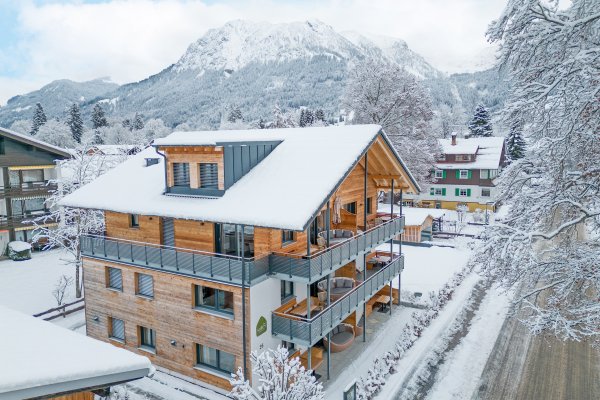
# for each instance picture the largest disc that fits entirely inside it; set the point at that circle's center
(44, 40)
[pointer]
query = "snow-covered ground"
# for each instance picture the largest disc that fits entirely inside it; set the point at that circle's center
(27, 285)
(459, 375)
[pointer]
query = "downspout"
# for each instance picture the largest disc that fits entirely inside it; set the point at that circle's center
(243, 255)
(164, 156)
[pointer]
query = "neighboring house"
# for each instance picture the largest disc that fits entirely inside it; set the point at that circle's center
(222, 243)
(464, 174)
(41, 360)
(27, 166)
(418, 223)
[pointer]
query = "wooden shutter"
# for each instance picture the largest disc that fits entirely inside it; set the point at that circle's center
(458, 174)
(115, 279)
(443, 174)
(468, 192)
(181, 174)
(470, 174)
(443, 191)
(118, 328)
(457, 192)
(168, 232)
(431, 191)
(209, 176)
(145, 285)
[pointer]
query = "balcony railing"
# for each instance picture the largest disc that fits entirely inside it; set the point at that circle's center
(205, 265)
(308, 332)
(314, 267)
(28, 189)
(23, 221)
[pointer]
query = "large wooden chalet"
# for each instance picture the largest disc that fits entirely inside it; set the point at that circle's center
(221, 243)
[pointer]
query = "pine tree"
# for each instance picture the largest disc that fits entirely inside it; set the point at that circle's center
(75, 123)
(138, 122)
(98, 117)
(97, 138)
(515, 144)
(235, 115)
(480, 125)
(310, 117)
(39, 119)
(320, 115)
(302, 121)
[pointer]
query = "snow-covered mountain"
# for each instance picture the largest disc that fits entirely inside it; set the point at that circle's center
(250, 65)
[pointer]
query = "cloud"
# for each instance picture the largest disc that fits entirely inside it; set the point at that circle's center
(130, 40)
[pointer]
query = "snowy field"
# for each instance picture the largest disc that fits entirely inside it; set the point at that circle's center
(27, 285)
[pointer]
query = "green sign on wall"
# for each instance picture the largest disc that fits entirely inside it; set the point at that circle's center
(261, 326)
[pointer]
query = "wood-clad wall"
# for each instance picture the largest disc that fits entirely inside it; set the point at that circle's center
(76, 396)
(195, 235)
(195, 155)
(170, 313)
(118, 226)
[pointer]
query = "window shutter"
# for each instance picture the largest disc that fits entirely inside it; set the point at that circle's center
(145, 285)
(118, 328)
(115, 279)
(470, 174)
(457, 192)
(458, 174)
(468, 192)
(209, 176)
(443, 191)
(431, 191)
(444, 174)
(181, 174)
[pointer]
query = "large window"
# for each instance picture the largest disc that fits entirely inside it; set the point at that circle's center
(350, 207)
(115, 278)
(181, 174)
(213, 299)
(228, 237)
(33, 175)
(147, 338)
(145, 285)
(287, 289)
(209, 176)
(117, 329)
(369, 205)
(214, 359)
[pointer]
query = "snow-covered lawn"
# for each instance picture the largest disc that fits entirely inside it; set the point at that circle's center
(27, 285)
(427, 269)
(459, 375)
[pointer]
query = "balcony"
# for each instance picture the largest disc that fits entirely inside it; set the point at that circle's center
(204, 265)
(293, 328)
(309, 269)
(28, 189)
(25, 221)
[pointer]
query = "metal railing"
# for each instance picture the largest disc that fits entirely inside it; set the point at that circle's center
(314, 267)
(28, 189)
(309, 331)
(218, 267)
(23, 221)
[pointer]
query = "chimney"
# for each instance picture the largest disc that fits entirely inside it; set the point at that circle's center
(453, 135)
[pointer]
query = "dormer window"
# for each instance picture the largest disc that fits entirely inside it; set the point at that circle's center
(209, 176)
(181, 174)
(463, 157)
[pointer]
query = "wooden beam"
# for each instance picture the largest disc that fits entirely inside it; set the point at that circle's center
(386, 176)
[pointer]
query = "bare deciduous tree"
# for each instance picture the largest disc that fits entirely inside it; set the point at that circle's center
(60, 289)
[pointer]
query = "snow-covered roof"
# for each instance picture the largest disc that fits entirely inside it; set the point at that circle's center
(41, 359)
(412, 215)
(283, 191)
(34, 142)
(488, 150)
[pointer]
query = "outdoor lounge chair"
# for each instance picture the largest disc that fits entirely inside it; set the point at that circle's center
(339, 286)
(342, 337)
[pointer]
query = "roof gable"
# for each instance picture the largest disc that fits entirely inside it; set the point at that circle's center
(55, 151)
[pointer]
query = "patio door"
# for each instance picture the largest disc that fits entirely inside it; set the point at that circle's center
(168, 232)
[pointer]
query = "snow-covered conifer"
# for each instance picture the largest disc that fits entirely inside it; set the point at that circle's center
(515, 144)
(75, 122)
(39, 119)
(98, 117)
(481, 123)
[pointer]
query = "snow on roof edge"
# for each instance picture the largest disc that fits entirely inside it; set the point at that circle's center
(37, 142)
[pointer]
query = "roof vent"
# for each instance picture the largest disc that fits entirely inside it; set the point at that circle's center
(453, 135)
(151, 161)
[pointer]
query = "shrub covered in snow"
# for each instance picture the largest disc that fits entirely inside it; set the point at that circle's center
(19, 251)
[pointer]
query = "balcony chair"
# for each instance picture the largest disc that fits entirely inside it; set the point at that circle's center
(339, 286)
(342, 337)
(337, 235)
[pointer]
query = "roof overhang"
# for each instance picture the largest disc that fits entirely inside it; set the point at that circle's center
(61, 153)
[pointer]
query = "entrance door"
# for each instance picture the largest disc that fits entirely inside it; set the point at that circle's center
(168, 232)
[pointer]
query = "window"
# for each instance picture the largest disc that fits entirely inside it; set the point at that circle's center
(117, 329)
(134, 220)
(287, 289)
(442, 157)
(440, 191)
(439, 174)
(33, 175)
(350, 207)
(209, 176)
(213, 299)
(485, 192)
(147, 338)
(369, 205)
(462, 157)
(463, 192)
(493, 173)
(484, 174)
(145, 285)
(287, 237)
(214, 359)
(181, 174)
(464, 174)
(2, 151)
(115, 278)
(228, 236)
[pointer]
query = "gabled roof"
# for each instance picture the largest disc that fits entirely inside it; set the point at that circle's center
(283, 191)
(488, 152)
(19, 137)
(41, 359)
